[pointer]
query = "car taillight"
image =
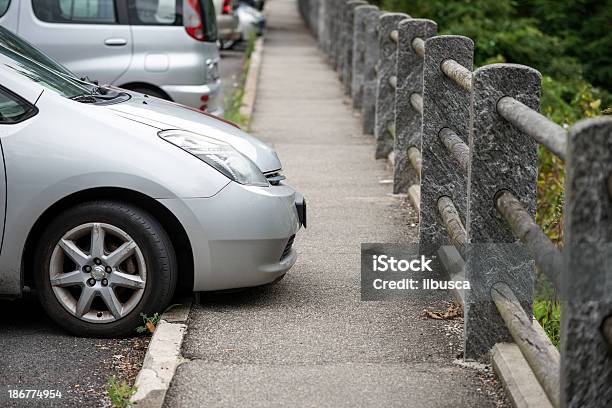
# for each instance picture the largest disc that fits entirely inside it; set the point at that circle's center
(192, 17)
(227, 7)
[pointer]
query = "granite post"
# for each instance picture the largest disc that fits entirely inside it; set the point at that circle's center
(347, 67)
(503, 158)
(361, 14)
(445, 105)
(408, 122)
(368, 103)
(339, 6)
(323, 34)
(385, 92)
(586, 357)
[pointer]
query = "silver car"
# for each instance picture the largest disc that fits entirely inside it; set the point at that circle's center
(227, 23)
(112, 200)
(164, 48)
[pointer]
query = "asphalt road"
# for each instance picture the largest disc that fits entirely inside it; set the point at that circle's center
(37, 354)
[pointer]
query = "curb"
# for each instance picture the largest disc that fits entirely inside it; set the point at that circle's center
(519, 381)
(162, 358)
(250, 84)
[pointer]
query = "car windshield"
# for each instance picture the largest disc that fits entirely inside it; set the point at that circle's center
(63, 84)
(13, 42)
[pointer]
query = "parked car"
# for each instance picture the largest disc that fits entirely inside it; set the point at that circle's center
(164, 48)
(111, 198)
(251, 20)
(227, 23)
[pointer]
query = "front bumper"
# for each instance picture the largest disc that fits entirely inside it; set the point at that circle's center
(192, 95)
(242, 236)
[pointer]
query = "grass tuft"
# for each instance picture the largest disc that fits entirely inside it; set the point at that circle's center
(120, 393)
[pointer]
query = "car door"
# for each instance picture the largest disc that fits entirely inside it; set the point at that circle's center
(90, 37)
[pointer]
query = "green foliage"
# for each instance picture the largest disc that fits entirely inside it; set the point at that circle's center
(119, 393)
(548, 314)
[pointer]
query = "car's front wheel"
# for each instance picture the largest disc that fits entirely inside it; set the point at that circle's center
(102, 264)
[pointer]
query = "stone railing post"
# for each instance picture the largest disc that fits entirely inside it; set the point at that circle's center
(336, 25)
(361, 15)
(347, 66)
(586, 312)
(385, 91)
(502, 158)
(408, 121)
(368, 104)
(446, 105)
(330, 13)
(314, 17)
(323, 34)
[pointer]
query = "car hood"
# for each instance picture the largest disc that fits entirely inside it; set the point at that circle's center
(166, 115)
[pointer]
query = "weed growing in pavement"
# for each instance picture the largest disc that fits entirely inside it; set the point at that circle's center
(234, 102)
(148, 323)
(119, 393)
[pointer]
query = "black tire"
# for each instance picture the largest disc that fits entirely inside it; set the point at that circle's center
(147, 233)
(150, 92)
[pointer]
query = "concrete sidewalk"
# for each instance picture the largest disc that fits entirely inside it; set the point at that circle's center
(309, 340)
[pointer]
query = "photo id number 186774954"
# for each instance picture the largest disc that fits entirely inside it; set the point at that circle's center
(34, 394)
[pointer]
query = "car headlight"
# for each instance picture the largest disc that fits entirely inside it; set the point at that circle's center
(218, 154)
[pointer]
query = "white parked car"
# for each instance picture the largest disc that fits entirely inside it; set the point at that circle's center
(113, 199)
(164, 48)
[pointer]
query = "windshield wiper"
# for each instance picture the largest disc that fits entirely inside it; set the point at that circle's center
(84, 98)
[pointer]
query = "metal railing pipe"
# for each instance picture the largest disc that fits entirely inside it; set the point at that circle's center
(458, 73)
(418, 45)
(456, 147)
(393, 82)
(547, 257)
(394, 35)
(391, 129)
(416, 101)
(414, 155)
(540, 128)
(454, 226)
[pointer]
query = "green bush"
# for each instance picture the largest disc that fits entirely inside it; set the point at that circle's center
(548, 314)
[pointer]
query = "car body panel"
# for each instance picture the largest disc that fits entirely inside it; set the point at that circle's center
(80, 47)
(239, 235)
(166, 115)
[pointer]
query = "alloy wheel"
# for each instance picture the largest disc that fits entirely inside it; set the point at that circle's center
(97, 272)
